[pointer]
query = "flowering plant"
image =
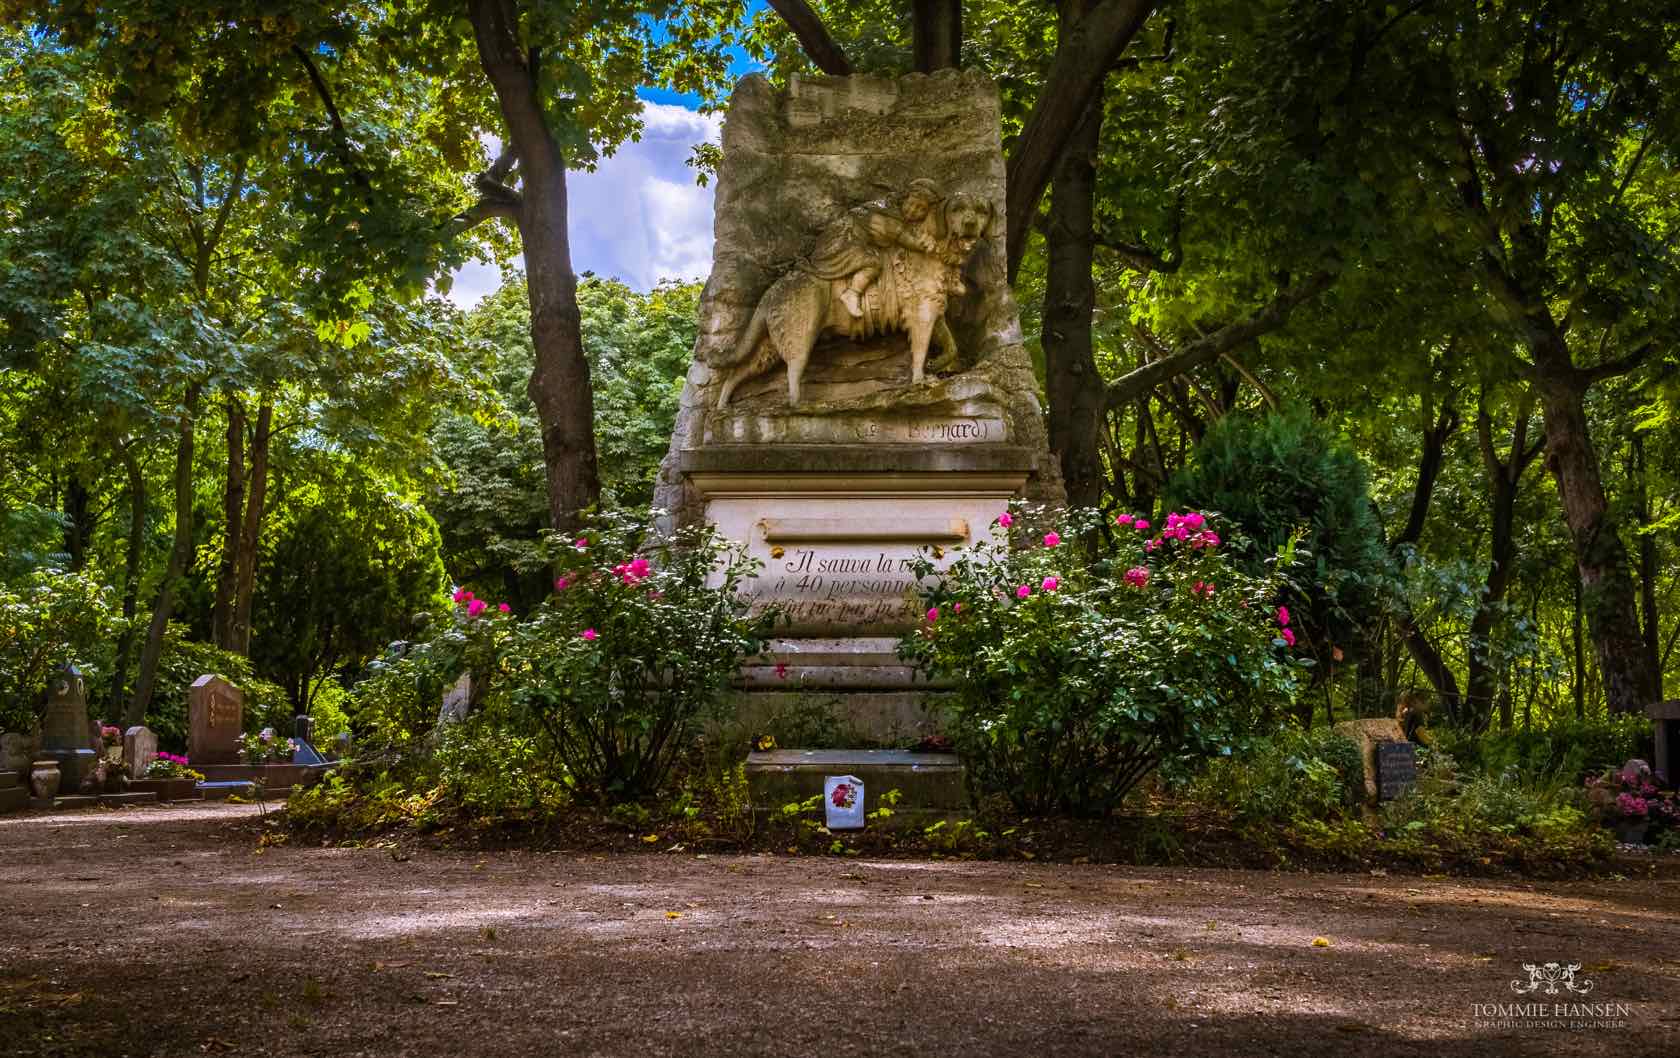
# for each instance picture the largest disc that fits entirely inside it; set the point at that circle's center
(266, 747)
(1631, 795)
(170, 766)
(110, 736)
(844, 795)
(1074, 678)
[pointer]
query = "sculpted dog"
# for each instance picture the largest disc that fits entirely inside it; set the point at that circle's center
(910, 297)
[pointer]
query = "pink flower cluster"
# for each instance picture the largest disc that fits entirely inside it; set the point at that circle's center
(172, 758)
(633, 571)
(1285, 633)
(475, 605)
(1202, 589)
(1138, 576)
(1632, 805)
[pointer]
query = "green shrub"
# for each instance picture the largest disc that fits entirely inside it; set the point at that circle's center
(1073, 681)
(640, 639)
(1546, 805)
(1283, 473)
(1568, 749)
(49, 619)
(1287, 777)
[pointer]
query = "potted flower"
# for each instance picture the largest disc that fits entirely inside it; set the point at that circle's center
(1626, 800)
(266, 747)
(170, 778)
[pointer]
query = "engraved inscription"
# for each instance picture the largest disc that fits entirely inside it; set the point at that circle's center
(820, 586)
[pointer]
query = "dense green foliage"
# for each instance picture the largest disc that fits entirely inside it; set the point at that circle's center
(606, 681)
(48, 620)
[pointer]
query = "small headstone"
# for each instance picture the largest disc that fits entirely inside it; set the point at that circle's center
(1368, 735)
(65, 733)
(139, 750)
(303, 729)
(1396, 769)
(843, 802)
(341, 745)
(457, 701)
(215, 721)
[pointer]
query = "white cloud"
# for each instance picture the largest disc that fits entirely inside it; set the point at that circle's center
(639, 216)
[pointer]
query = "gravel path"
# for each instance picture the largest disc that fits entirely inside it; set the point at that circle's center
(167, 931)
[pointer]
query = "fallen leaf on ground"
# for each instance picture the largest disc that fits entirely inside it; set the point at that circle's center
(1321, 942)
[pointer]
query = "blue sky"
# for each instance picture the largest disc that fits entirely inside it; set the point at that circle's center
(639, 216)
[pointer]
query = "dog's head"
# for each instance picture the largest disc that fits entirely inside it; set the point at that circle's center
(969, 217)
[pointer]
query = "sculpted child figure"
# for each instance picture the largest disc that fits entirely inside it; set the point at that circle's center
(852, 245)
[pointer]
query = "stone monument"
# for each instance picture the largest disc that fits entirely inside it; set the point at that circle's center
(66, 736)
(140, 745)
(215, 721)
(859, 389)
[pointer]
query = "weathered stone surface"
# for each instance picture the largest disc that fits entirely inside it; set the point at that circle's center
(139, 749)
(1366, 734)
(926, 781)
(67, 735)
(216, 720)
(794, 161)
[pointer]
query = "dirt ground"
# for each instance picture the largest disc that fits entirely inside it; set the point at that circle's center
(168, 931)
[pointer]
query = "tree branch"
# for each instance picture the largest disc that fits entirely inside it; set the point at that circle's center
(1205, 350)
(813, 36)
(1083, 60)
(1621, 366)
(339, 133)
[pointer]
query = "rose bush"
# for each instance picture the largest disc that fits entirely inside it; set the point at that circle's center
(638, 640)
(1073, 679)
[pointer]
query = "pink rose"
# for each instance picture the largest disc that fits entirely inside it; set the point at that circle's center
(1283, 616)
(1124, 519)
(562, 583)
(1287, 635)
(1051, 539)
(1138, 576)
(476, 607)
(1005, 521)
(1022, 592)
(1050, 584)
(933, 614)
(1141, 525)
(503, 607)
(589, 634)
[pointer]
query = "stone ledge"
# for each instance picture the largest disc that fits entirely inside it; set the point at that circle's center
(856, 459)
(924, 780)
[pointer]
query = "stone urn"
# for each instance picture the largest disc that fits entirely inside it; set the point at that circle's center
(44, 779)
(17, 750)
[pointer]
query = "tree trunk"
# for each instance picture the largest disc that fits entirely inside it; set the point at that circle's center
(1423, 652)
(937, 34)
(1504, 479)
(180, 560)
(1608, 595)
(77, 520)
(256, 506)
(1650, 623)
(1083, 59)
(560, 383)
(1074, 389)
(233, 513)
(130, 576)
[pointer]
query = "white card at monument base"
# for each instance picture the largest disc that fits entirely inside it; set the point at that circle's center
(843, 799)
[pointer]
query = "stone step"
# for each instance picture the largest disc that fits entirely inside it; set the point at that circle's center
(111, 800)
(878, 717)
(13, 798)
(927, 781)
(221, 791)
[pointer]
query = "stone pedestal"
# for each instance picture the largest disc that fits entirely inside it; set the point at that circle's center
(837, 494)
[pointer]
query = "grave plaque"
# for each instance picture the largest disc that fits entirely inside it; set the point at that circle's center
(216, 720)
(1396, 769)
(139, 750)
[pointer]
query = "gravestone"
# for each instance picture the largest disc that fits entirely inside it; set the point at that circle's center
(215, 721)
(859, 389)
(1396, 769)
(66, 736)
(1369, 736)
(139, 750)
